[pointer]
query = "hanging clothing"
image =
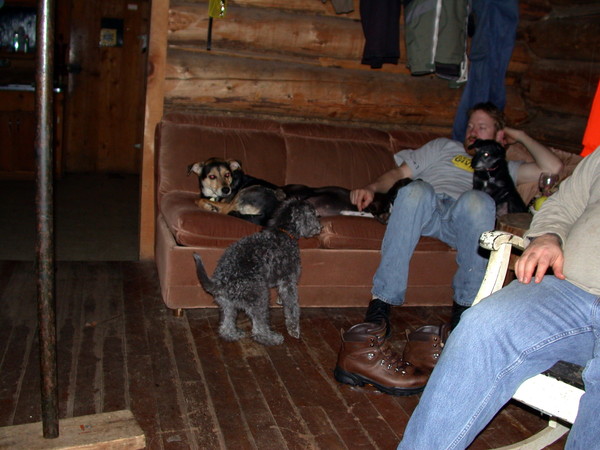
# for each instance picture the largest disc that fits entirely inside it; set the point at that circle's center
(496, 24)
(380, 21)
(436, 37)
(342, 6)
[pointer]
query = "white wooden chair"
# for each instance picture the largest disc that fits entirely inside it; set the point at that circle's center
(556, 398)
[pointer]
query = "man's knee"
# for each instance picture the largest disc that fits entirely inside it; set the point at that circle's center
(476, 206)
(415, 193)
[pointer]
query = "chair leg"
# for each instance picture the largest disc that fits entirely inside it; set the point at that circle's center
(538, 441)
(178, 312)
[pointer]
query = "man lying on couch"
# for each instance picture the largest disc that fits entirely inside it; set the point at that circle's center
(440, 203)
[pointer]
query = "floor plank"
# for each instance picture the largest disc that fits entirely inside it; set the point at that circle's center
(120, 348)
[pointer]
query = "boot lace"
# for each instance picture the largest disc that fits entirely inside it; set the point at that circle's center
(391, 359)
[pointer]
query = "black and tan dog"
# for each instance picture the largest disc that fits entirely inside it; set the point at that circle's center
(490, 175)
(225, 188)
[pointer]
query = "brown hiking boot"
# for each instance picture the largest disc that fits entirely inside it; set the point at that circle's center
(365, 358)
(424, 346)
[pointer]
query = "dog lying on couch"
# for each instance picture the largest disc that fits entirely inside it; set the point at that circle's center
(226, 189)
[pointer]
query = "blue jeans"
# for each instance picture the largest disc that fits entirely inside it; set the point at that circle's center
(419, 211)
(509, 337)
(496, 24)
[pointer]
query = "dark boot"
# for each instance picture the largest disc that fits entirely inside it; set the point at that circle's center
(424, 346)
(365, 358)
(379, 312)
(457, 311)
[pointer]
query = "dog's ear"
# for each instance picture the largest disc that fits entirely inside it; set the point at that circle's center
(195, 168)
(234, 165)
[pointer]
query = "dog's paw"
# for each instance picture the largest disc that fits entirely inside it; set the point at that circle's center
(294, 332)
(231, 335)
(272, 338)
(206, 204)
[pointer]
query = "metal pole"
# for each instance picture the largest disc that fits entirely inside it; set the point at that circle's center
(45, 216)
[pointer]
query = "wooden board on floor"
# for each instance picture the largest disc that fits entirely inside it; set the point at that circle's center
(110, 430)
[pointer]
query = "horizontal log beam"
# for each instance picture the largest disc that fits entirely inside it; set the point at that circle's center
(568, 38)
(558, 130)
(565, 87)
(305, 6)
(292, 89)
(268, 31)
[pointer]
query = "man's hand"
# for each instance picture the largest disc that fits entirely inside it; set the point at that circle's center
(544, 251)
(512, 135)
(362, 197)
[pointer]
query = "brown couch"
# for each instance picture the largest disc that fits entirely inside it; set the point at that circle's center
(338, 265)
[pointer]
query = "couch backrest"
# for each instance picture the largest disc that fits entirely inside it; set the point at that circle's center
(328, 155)
(282, 153)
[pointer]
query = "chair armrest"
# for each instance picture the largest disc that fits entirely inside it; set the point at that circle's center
(500, 245)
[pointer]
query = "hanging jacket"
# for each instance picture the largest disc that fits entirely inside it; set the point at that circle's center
(436, 37)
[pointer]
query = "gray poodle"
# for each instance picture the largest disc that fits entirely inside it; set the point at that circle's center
(254, 264)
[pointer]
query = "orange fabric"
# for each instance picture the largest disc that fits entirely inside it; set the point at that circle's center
(591, 138)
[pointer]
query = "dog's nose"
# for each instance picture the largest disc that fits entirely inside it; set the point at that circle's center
(225, 190)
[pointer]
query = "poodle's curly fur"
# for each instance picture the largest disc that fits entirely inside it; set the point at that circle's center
(254, 264)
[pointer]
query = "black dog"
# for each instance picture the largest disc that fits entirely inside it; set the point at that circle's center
(492, 177)
(333, 200)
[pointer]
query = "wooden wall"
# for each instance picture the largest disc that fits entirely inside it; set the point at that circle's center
(561, 45)
(106, 85)
(298, 60)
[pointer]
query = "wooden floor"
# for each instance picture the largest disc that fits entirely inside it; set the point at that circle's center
(118, 347)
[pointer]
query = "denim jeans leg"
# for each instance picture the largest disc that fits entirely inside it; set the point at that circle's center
(585, 433)
(414, 210)
(473, 213)
(512, 335)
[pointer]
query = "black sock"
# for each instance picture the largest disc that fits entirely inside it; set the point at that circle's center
(457, 311)
(379, 311)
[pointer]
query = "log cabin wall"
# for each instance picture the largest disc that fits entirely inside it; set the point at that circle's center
(299, 60)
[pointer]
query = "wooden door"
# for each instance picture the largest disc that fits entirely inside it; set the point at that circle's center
(106, 84)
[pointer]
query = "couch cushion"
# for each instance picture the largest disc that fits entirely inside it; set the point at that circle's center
(319, 130)
(331, 162)
(360, 233)
(363, 233)
(195, 227)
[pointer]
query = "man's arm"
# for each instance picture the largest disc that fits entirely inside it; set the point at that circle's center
(545, 160)
(362, 197)
(543, 252)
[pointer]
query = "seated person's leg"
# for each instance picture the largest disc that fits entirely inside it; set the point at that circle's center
(364, 356)
(472, 214)
(413, 211)
(585, 432)
(512, 335)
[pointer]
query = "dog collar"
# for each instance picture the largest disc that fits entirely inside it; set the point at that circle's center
(290, 235)
(491, 169)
